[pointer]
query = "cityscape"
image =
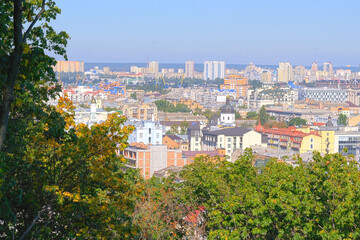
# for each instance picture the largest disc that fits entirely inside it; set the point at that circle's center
(168, 120)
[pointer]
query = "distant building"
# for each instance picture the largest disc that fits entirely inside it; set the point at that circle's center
(92, 115)
(285, 72)
(314, 67)
(153, 67)
(141, 111)
(69, 66)
(176, 142)
(347, 143)
(214, 69)
(194, 135)
(151, 158)
(328, 68)
(189, 69)
(265, 77)
(147, 132)
(227, 114)
(323, 94)
(231, 139)
(238, 83)
(106, 70)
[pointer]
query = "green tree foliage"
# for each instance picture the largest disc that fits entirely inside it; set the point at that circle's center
(255, 84)
(167, 106)
(184, 127)
(263, 115)
(315, 200)
(342, 120)
(133, 96)
(251, 115)
(297, 122)
(174, 129)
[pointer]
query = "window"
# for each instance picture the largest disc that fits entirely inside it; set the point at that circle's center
(157, 135)
(196, 139)
(229, 139)
(141, 135)
(196, 133)
(311, 146)
(229, 145)
(149, 130)
(149, 139)
(311, 140)
(327, 134)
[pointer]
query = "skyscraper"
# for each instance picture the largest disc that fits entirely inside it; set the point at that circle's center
(69, 66)
(189, 69)
(314, 67)
(285, 72)
(328, 68)
(153, 67)
(214, 69)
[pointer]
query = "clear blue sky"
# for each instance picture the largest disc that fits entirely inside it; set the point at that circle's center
(237, 31)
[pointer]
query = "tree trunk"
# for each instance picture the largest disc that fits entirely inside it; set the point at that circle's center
(14, 65)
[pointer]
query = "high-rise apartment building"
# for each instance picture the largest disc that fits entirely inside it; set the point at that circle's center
(328, 68)
(214, 69)
(153, 67)
(189, 69)
(265, 77)
(237, 83)
(69, 66)
(314, 67)
(285, 72)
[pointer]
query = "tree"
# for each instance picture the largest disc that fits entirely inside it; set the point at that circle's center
(183, 127)
(63, 174)
(255, 84)
(174, 129)
(251, 115)
(17, 45)
(297, 122)
(263, 115)
(133, 96)
(342, 120)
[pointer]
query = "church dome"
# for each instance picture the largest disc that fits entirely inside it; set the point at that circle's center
(329, 122)
(227, 108)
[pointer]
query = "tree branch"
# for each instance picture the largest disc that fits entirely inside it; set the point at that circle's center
(42, 10)
(31, 226)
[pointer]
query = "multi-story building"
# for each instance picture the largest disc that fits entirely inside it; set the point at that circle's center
(227, 114)
(347, 143)
(153, 67)
(189, 69)
(214, 69)
(299, 73)
(291, 139)
(90, 116)
(176, 142)
(266, 77)
(323, 94)
(147, 132)
(231, 139)
(285, 72)
(194, 135)
(314, 67)
(151, 158)
(238, 83)
(328, 68)
(141, 111)
(69, 66)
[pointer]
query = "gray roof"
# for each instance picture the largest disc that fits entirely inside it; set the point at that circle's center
(236, 131)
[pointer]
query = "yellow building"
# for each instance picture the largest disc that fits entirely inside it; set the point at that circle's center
(142, 111)
(327, 141)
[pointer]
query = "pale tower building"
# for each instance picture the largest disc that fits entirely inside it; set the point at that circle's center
(189, 69)
(153, 67)
(285, 72)
(214, 69)
(314, 67)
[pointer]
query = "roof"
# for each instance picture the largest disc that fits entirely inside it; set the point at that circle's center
(227, 108)
(211, 153)
(174, 138)
(235, 131)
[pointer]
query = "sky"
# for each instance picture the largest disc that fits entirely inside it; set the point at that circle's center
(264, 32)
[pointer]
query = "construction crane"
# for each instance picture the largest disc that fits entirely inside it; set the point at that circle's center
(156, 82)
(77, 80)
(165, 86)
(182, 80)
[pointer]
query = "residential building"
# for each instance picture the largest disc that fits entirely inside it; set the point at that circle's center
(153, 67)
(291, 139)
(69, 66)
(147, 132)
(141, 111)
(151, 158)
(347, 143)
(285, 72)
(328, 68)
(176, 142)
(238, 83)
(194, 135)
(189, 69)
(314, 67)
(266, 77)
(231, 139)
(323, 94)
(214, 69)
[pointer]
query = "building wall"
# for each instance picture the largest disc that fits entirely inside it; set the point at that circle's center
(310, 143)
(250, 139)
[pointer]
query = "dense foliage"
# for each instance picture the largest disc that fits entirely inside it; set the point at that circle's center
(167, 106)
(297, 122)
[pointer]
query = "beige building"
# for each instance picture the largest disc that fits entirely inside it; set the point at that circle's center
(285, 72)
(142, 111)
(189, 69)
(265, 77)
(69, 66)
(153, 67)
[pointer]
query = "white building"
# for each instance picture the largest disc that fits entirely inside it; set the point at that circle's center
(323, 94)
(189, 69)
(214, 69)
(285, 72)
(153, 67)
(147, 132)
(90, 116)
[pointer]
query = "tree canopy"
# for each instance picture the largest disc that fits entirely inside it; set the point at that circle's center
(297, 122)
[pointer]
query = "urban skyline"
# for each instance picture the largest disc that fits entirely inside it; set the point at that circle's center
(256, 31)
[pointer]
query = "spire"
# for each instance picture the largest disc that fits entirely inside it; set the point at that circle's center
(259, 127)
